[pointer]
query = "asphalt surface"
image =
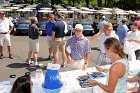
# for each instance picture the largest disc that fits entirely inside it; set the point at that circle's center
(18, 65)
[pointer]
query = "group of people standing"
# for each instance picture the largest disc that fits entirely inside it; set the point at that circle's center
(76, 50)
(112, 52)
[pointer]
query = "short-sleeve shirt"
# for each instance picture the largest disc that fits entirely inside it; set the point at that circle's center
(136, 36)
(4, 25)
(122, 30)
(59, 28)
(101, 25)
(78, 47)
(33, 31)
(103, 37)
(138, 21)
(49, 26)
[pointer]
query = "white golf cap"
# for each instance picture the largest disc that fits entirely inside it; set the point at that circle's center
(79, 26)
(103, 17)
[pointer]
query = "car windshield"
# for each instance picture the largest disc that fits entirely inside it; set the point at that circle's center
(23, 25)
(87, 27)
(42, 25)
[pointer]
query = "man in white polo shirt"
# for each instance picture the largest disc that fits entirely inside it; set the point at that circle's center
(6, 27)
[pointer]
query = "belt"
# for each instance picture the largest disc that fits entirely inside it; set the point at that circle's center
(60, 39)
(3, 32)
(78, 59)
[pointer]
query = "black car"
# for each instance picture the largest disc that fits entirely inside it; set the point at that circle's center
(88, 30)
(22, 29)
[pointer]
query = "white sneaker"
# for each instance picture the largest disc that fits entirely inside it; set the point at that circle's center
(30, 62)
(38, 65)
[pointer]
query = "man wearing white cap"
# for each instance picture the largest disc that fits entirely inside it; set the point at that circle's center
(6, 27)
(78, 49)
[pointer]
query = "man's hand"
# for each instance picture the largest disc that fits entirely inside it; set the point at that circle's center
(41, 32)
(9, 32)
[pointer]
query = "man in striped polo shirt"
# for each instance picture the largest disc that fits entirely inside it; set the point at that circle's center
(78, 49)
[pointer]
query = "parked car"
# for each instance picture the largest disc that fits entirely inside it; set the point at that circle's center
(70, 29)
(42, 28)
(17, 1)
(88, 29)
(22, 29)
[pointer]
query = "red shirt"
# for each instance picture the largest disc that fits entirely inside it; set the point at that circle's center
(138, 22)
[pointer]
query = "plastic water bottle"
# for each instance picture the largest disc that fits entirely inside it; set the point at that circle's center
(12, 79)
(39, 73)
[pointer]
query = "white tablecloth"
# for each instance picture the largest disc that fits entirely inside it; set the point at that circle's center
(71, 84)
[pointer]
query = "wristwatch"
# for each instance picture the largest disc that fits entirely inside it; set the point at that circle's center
(86, 63)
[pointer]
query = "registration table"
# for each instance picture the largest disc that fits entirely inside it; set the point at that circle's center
(69, 79)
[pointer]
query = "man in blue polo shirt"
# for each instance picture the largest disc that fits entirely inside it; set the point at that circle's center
(59, 40)
(122, 30)
(49, 26)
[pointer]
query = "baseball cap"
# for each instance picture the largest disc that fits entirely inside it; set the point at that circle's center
(125, 19)
(103, 17)
(79, 26)
(134, 24)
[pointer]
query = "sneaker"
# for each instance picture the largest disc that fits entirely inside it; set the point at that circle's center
(1, 57)
(38, 65)
(30, 62)
(10, 56)
(63, 65)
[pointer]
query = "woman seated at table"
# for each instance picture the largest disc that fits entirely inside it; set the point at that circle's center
(135, 78)
(118, 72)
(22, 84)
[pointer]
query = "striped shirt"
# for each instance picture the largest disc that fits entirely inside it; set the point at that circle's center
(78, 47)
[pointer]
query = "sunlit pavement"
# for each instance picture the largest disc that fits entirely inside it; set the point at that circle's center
(18, 66)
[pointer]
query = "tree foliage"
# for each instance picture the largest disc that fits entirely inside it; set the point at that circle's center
(124, 4)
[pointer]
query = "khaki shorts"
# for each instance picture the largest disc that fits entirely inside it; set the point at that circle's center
(5, 39)
(49, 41)
(34, 45)
(76, 64)
(59, 45)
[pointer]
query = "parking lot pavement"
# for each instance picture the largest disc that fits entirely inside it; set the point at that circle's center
(18, 65)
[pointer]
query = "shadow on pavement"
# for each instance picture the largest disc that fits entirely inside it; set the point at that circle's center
(17, 65)
(40, 59)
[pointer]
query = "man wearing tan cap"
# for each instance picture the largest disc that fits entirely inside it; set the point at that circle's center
(6, 27)
(78, 49)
